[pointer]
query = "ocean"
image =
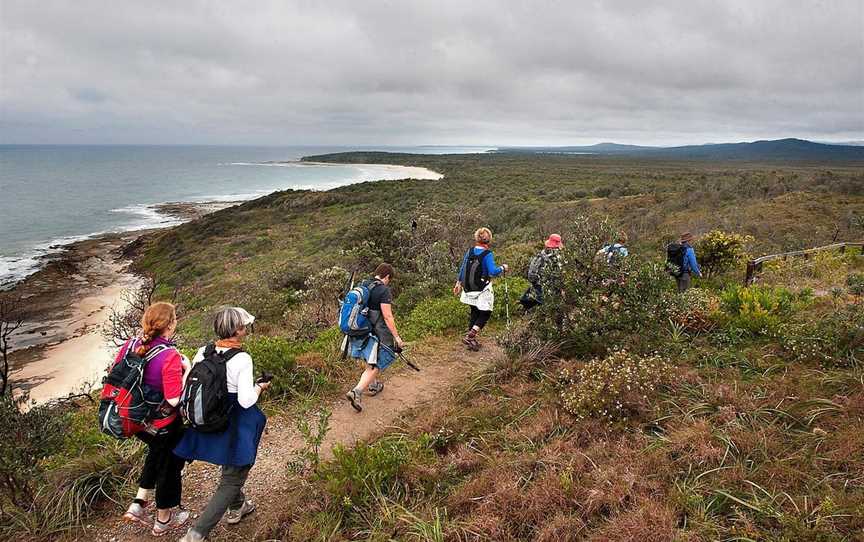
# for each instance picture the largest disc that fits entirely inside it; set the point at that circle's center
(54, 195)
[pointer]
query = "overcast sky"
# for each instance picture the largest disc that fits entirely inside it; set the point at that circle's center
(437, 72)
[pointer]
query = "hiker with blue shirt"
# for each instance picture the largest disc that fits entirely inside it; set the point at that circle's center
(681, 261)
(474, 285)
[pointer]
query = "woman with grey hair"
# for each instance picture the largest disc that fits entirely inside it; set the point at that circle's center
(236, 447)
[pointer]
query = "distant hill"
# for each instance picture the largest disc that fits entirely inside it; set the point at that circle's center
(779, 149)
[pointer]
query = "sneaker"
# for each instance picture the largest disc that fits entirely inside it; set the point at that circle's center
(354, 398)
(375, 388)
(234, 516)
(192, 536)
(178, 518)
(137, 513)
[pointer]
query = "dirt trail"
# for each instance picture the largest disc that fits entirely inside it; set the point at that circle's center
(443, 363)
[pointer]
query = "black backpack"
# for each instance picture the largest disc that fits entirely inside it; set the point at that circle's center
(204, 403)
(475, 277)
(675, 259)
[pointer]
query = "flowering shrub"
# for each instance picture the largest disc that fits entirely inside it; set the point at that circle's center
(593, 308)
(695, 311)
(718, 251)
(759, 310)
(613, 387)
(836, 340)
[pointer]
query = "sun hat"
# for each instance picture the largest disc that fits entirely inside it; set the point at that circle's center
(554, 241)
(686, 237)
(247, 318)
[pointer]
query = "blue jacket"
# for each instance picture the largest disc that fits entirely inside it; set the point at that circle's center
(489, 267)
(690, 264)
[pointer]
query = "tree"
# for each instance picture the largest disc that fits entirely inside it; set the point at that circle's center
(125, 322)
(12, 316)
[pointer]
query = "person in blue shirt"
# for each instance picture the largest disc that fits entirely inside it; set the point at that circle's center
(475, 287)
(612, 254)
(691, 266)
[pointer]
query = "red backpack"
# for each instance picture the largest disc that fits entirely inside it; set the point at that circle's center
(126, 405)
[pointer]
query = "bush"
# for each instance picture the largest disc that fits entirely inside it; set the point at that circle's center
(694, 311)
(759, 310)
(836, 340)
(356, 476)
(718, 251)
(434, 315)
(613, 388)
(277, 356)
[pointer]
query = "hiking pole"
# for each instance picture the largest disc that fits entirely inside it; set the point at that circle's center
(401, 355)
(506, 299)
(345, 344)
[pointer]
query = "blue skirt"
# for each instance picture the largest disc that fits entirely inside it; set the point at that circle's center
(371, 352)
(237, 446)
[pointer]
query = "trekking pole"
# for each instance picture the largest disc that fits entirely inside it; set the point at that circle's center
(506, 299)
(401, 355)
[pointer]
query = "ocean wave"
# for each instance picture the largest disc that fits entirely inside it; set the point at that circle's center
(16, 268)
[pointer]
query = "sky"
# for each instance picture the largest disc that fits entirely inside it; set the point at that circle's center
(441, 72)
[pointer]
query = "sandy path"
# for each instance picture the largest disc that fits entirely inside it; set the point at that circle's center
(444, 364)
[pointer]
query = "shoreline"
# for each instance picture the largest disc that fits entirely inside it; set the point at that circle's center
(60, 348)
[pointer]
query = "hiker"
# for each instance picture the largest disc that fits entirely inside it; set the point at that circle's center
(475, 286)
(378, 349)
(235, 447)
(164, 374)
(613, 253)
(681, 261)
(541, 270)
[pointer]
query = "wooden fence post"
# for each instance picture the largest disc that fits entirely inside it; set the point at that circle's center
(751, 272)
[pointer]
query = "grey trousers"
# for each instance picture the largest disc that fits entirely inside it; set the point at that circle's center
(229, 494)
(683, 282)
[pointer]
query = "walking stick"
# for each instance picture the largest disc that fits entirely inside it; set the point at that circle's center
(401, 355)
(506, 299)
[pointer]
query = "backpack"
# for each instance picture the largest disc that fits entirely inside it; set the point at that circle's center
(354, 313)
(675, 259)
(535, 267)
(126, 405)
(476, 279)
(204, 403)
(613, 253)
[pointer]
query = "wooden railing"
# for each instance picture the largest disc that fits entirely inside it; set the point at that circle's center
(755, 266)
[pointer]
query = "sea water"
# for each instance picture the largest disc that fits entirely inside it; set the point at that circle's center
(53, 195)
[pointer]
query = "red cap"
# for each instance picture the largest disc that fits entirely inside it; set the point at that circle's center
(554, 241)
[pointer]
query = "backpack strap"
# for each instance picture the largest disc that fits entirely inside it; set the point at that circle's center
(156, 350)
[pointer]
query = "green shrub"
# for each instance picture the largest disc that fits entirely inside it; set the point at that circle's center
(277, 356)
(434, 315)
(695, 311)
(356, 476)
(758, 310)
(613, 388)
(718, 251)
(835, 340)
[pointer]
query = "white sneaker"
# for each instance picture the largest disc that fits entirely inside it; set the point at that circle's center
(234, 517)
(137, 513)
(191, 536)
(178, 518)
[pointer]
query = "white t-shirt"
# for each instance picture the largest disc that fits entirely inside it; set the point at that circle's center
(241, 379)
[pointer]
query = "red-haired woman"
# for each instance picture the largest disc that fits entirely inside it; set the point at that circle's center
(163, 374)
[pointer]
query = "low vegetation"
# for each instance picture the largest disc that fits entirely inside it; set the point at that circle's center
(623, 411)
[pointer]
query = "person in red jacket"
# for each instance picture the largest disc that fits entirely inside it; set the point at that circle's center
(162, 469)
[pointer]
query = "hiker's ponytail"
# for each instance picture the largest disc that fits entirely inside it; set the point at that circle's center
(157, 318)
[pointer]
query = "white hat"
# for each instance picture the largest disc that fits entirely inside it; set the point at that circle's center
(248, 319)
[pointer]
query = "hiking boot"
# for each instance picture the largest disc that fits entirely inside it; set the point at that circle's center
(192, 536)
(375, 388)
(354, 398)
(137, 513)
(470, 341)
(235, 516)
(178, 518)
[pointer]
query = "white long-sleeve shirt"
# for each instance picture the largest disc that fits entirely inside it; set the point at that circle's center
(241, 379)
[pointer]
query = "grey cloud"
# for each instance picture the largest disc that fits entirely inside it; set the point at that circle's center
(483, 72)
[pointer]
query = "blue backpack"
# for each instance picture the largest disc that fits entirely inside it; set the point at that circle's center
(354, 314)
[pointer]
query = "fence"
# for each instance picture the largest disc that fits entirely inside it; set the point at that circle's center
(755, 266)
